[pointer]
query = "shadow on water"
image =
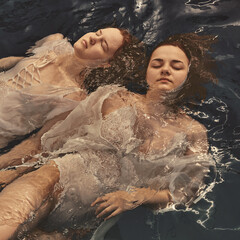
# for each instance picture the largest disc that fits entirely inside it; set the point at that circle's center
(216, 216)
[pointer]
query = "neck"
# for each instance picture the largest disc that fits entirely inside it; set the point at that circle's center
(155, 96)
(153, 102)
(71, 64)
(157, 102)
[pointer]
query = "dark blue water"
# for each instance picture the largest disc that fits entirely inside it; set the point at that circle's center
(217, 215)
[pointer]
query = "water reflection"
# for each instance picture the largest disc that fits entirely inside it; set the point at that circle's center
(22, 22)
(201, 3)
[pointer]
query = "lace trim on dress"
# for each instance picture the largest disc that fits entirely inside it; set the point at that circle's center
(26, 73)
(29, 75)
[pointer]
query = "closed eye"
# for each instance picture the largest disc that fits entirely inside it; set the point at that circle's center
(157, 63)
(105, 45)
(156, 66)
(177, 68)
(178, 65)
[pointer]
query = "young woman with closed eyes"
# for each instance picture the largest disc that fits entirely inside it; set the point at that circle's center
(50, 80)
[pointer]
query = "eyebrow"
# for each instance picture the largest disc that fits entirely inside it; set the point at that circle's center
(161, 60)
(177, 61)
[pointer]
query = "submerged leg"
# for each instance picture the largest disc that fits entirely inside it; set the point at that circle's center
(10, 174)
(26, 201)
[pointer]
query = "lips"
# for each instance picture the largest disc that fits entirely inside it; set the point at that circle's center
(85, 43)
(164, 80)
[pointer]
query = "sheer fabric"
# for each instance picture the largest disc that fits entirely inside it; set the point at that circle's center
(26, 101)
(100, 155)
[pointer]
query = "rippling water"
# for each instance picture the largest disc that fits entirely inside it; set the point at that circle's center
(217, 215)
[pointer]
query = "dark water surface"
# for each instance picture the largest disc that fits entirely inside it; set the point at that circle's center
(217, 215)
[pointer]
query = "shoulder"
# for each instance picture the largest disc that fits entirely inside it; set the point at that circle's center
(53, 37)
(191, 124)
(121, 98)
(48, 39)
(196, 135)
(195, 126)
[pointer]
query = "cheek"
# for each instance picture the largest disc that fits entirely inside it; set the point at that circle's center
(97, 52)
(92, 54)
(76, 45)
(150, 76)
(181, 77)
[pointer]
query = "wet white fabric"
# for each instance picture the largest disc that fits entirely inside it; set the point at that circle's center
(101, 155)
(25, 101)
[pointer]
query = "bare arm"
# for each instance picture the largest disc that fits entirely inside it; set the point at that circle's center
(9, 62)
(115, 203)
(23, 153)
(28, 148)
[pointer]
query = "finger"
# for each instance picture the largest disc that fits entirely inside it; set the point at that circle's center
(116, 212)
(98, 200)
(101, 207)
(106, 211)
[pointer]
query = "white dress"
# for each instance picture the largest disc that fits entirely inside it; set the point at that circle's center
(26, 102)
(100, 155)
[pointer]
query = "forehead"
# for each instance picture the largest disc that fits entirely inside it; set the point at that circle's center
(169, 52)
(113, 37)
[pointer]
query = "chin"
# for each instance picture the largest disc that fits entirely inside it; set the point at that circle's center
(164, 88)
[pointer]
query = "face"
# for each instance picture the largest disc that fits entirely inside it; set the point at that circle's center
(98, 47)
(167, 68)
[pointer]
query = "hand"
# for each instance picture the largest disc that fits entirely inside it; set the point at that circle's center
(115, 203)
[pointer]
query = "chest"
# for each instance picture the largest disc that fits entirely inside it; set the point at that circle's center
(56, 75)
(44, 70)
(158, 132)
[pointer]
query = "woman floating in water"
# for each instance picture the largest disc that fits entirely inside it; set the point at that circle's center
(118, 150)
(50, 81)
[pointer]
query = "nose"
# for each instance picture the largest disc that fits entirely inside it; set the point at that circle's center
(94, 39)
(165, 70)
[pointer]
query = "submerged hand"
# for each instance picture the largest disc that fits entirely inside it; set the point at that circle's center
(115, 203)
